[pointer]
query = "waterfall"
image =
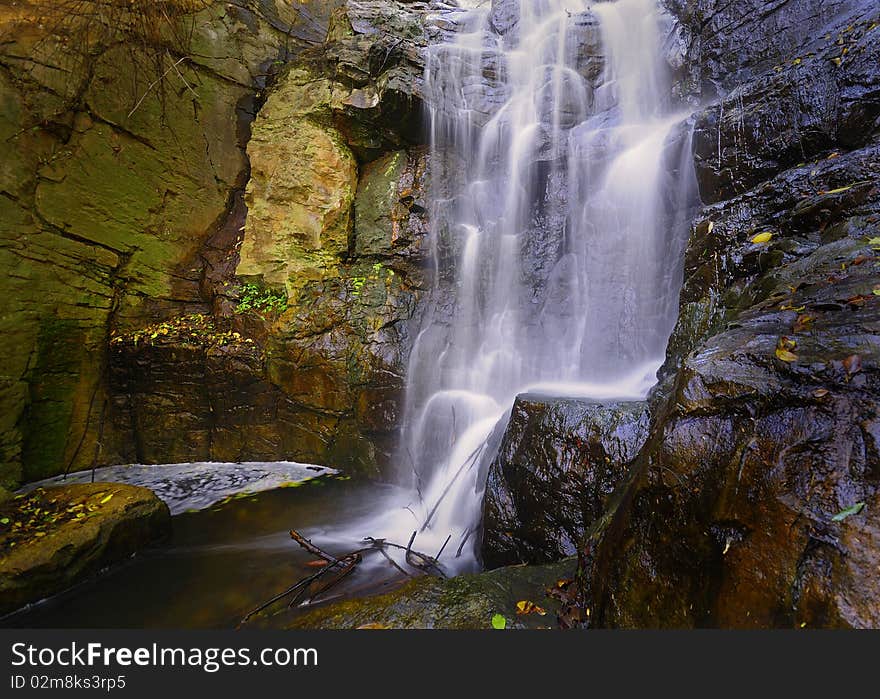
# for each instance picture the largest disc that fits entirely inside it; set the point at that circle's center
(557, 237)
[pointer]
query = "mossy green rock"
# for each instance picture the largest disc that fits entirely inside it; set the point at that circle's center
(117, 521)
(463, 602)
(113, 185)
(299, 198)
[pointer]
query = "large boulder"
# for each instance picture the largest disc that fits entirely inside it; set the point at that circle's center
(559, 461)
(55, 537)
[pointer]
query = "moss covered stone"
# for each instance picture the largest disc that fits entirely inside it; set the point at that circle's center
(54, 537)
(464, 602)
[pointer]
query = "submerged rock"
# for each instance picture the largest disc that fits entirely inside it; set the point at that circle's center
(558, 462)
(55, 537)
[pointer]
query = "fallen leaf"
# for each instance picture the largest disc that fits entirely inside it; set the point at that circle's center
(5, 520)
(785, 355)
(839, 190)
(853, 364)
(820, 392)
(527, 607)
(373, 625)
(499, 622)
(106, 499)
(848, 512)
(316, 563)
(762, 238)
(803, 323)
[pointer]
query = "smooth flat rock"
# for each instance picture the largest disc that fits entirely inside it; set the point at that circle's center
(55, 537)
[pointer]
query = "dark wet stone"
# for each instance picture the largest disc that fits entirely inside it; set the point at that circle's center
(558, 462)
(764, 429)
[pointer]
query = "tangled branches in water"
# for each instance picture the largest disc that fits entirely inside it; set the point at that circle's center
(333, 569)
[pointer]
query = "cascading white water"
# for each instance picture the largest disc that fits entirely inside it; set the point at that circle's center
(555, 235)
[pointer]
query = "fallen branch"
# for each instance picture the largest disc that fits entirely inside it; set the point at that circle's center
(347, 569)
(468, 462)
(311, 548)
(342, 567)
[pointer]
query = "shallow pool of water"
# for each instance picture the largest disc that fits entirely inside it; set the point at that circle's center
(220, 563)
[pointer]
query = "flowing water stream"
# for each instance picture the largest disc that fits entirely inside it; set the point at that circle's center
(561, 174)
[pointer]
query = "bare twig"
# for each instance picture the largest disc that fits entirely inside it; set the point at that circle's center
(463, 542)
(311, 548)
(347, 569)
(468, 462)
(153, 84)
(442, 548)
(180, 75)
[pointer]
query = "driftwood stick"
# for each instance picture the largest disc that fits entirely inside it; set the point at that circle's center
(463, 542)
(416, 559)
(468, 462)
(311, 548)
(409, 545)
(281, 595)
(347, 570)
(394, 563)
(442, 548)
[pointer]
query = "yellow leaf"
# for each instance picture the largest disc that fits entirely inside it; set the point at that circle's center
(785, 355)
(527, 607)
(762, 238)
(839, 190)
(107, 499)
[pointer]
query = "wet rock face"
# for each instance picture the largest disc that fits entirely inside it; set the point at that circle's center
(774, 122)
(754, 502)
(731, 43)
(119, 202)
(334, 224)
(559, 461)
